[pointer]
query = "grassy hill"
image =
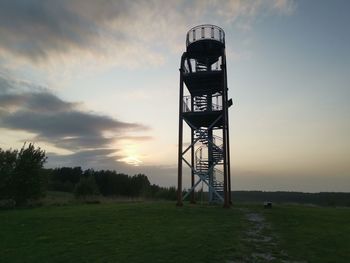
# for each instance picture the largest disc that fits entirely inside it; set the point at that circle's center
(161, 232)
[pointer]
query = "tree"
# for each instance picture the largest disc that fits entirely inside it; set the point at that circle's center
(86, 187)
(21, 176)
(110, 183)
(7, 166)
(65, 178)
(139, 185)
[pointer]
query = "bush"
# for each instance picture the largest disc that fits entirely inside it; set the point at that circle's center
(21, 174)
(61, 187)
(166, 193)
(7, 204)
(86, 187)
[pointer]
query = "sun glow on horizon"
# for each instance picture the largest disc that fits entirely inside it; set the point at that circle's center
(132, 156)
(132, 160)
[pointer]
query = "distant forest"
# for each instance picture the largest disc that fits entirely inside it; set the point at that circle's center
(322, 199)
(105, 182)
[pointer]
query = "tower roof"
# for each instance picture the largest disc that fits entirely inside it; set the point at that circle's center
(207, 40)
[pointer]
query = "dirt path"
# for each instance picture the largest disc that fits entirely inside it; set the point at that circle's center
(261, 242)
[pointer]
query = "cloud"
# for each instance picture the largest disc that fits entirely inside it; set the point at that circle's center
(132, 32)
(35, 28)
(65, 123)
(95, 158)
(59, 122)
(36, 102)
(284, 6)
(136, 138)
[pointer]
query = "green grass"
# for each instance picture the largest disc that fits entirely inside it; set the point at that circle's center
(313, 234)
(161, 232)
(136, 232)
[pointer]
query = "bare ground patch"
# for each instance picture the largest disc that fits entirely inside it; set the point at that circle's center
(261, 243)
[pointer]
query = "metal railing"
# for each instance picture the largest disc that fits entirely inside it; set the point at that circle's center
(218, 176)
(186, 104)
(202, 32)
(191, 66)
(201, 154)
(216, 104)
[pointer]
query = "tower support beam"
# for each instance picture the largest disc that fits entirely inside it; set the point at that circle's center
(179, 168)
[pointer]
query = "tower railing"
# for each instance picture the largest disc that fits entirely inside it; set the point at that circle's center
(203, 32)
(192, 66)
(215, 105)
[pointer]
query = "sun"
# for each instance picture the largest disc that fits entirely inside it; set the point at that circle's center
(131, 155)
(132, 160)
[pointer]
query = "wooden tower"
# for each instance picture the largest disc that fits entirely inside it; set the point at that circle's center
(203, 76)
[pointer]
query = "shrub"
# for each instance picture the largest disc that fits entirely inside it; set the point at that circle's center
(166, 193)
(7, 204)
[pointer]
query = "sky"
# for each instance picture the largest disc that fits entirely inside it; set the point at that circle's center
(96, 84)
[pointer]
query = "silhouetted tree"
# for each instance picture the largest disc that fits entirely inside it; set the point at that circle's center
(7, 166)
(139, 185)
(21, 174)
(65, 178)
(111, 183)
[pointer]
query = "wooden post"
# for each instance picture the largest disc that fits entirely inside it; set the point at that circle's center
(224, 131)
(179, 168)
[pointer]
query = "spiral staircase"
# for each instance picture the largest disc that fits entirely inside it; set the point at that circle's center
(205, 168)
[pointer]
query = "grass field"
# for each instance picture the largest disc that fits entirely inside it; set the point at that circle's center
(161, 232)
(315, 234)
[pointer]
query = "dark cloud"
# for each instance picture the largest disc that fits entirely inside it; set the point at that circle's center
(77, 143)
(35, 28)
(5, 85)
(36, 102)
(56, 121)
(63, 124)
(46, 101)
(96, 158)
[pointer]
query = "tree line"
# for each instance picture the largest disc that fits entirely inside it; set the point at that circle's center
(23, 178)
(322, 198)
(105, 182)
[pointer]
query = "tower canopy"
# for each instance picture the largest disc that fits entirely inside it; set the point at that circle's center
(205, 39)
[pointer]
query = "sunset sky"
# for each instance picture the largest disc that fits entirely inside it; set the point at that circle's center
(96, 84)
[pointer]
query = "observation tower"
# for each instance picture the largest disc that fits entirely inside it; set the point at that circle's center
(203, 106)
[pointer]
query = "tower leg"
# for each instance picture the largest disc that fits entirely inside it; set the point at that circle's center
(225, 134)
(210, 163)
(179, 168)
(226, 199)
(228, 142)
(228, 164)
(192, 197)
